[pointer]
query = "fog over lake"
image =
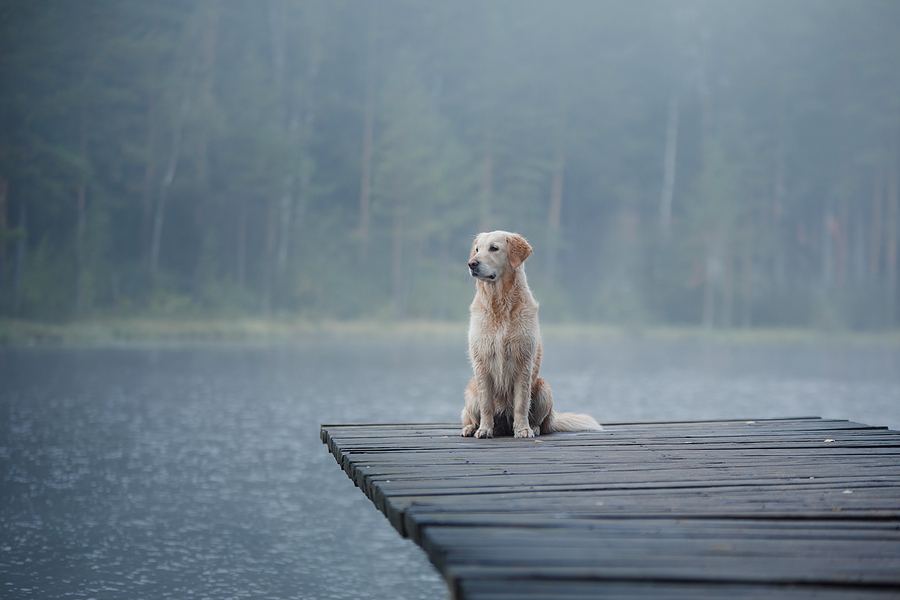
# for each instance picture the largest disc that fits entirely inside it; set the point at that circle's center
(198, 472)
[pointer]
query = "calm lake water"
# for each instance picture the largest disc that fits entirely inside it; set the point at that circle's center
(198, 473)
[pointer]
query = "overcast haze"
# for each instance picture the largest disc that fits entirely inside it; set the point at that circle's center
(697, 162)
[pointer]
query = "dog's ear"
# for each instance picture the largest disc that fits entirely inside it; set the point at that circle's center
(518, 249)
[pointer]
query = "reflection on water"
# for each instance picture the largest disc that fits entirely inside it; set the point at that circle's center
(192, 473)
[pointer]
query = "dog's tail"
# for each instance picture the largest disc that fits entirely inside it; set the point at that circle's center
(567, 421)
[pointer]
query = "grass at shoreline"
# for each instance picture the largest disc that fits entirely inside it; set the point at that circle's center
(147, 330)
(120, 331)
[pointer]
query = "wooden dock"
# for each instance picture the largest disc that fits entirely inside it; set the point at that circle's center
(788, 508)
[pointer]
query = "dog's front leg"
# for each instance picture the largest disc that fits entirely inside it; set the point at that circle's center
(521, 409)
(486, 407)
(471, 415)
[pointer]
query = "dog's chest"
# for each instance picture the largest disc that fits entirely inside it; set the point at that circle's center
(503, 350)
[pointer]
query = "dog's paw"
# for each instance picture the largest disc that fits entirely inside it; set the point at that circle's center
(484, 433)
(468, 431)
(524, 432)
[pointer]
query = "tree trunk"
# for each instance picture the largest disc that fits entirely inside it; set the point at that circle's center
(559, 163)
(240, 268)
(893, 229)
(277, 16)
(164, 185)
(712, 275)
(80, 225)
(668, 188)
(147, 204)
(556, 189)
(314, 61)
(443, 269)
(859, 248)
(727, 289)
(875, 239)
(709, 293)
(4, 232)
(281, 235)
(487, 176)
(284, 230)
(827, 250)
(267, 259)
(397, 264)
(556, 198)
(706, 119)
(746, 284)
(841, 245)
(158, 218)
(779, 191)
(79, 250)
(365, 184)
(206, 95)
(712, 265)
(20, 260)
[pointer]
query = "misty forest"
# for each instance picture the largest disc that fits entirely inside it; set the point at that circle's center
(710, 163)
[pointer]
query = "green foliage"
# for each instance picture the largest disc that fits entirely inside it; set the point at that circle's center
(233, 133)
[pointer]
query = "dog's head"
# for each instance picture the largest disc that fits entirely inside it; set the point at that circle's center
(497, 253)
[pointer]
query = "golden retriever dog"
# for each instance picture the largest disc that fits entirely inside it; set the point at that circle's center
(506, 395)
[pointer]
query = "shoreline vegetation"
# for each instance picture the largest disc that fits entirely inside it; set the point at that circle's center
(257, 330)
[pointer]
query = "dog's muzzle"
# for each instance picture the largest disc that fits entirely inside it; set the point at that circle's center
(476, 272)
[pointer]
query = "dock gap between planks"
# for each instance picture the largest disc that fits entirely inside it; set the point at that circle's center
(781, 508)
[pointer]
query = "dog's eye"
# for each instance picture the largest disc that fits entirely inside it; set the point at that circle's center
(493, 248)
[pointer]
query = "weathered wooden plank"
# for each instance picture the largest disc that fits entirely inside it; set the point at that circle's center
(379, 434)
(608, 442)
(801, 424)
(657, 468)
(610, 434)
(786, 508)
(523, 580)
(881, 502)
(690, 566)
(700, 427)
(548, 589)
(805, 529)
(457, 551)
(625, 459)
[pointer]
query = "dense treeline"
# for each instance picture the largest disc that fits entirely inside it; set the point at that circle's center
(723, 163)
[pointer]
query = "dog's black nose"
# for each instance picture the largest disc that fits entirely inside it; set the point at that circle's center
(473, 263)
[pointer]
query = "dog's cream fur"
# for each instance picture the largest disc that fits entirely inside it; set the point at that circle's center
(506, 395)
